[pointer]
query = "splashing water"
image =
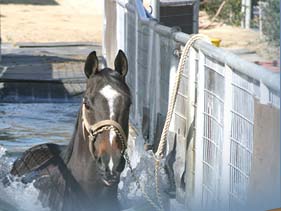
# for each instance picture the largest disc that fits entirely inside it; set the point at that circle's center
(23, 126)
(17, 196)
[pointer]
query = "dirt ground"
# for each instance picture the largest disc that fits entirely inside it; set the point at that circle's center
(51, 20)
(238, 38)
(81, 21)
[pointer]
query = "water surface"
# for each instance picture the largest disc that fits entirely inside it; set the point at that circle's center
(21, 127)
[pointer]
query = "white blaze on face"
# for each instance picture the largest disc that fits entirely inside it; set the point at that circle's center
(110, 95)
(110, 164)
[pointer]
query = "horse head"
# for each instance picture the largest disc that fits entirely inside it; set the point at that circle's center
(105, 116)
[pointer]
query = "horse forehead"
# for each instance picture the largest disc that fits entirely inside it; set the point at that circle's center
(109, 93)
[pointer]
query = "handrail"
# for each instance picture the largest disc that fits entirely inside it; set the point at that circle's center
(270, 79)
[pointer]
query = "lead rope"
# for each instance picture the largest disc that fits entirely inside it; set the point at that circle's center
(172, 101)
(100, 127)
(160, 151)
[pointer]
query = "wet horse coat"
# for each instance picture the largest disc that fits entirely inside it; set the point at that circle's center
(83, 176)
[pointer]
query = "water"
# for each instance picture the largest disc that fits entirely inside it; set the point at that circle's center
(25, 125)
(21, 127)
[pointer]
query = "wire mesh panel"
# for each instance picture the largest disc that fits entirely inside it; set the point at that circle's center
(213, 122)
(166, 50)
(131, 41)
(143, 62)
(241, 147)
(213, 130)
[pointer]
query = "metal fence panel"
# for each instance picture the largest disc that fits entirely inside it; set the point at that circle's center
(213, 122)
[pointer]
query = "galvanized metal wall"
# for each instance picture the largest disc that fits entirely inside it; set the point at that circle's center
(212, 129)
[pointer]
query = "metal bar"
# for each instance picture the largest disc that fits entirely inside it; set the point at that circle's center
(226, 139)
(213, 118)
(190, 77)
(198, 185)
(180, 115)
(241, 145)
(211, 68)
(209, 165)
(137, 117)
(248, 6)
(243, 117)
(213, 142)
(195, 16)
(207, 188)
(155, 9)
(214, 95)
(239, 170)
(270, 79)
(182, 95)
(242, 88)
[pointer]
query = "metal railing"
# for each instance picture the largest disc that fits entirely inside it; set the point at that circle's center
(213, 122)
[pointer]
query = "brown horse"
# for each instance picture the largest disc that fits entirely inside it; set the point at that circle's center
(85, 175)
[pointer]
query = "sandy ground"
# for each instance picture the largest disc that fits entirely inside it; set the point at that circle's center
(238, 38)
(81, 21)
(60, 21)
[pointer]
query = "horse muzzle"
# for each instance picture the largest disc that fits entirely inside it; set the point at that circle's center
(110, 182)
(111, 179)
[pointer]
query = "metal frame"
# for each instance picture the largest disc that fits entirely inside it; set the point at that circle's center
(218, 91)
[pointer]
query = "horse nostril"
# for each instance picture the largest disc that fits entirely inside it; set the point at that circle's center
(99, 161)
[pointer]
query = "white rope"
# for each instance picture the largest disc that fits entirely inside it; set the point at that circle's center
(172, 101)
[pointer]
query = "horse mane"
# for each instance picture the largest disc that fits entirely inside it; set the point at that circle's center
(66, 154)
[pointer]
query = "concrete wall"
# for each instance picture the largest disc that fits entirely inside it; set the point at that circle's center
(265, 174)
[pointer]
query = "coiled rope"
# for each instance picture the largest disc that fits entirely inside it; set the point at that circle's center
(160, 151)
(172, 101)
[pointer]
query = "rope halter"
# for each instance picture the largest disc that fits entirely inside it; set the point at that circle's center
(101, 126)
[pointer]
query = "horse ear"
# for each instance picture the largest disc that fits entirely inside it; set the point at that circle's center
(121, 63)
(91, 64)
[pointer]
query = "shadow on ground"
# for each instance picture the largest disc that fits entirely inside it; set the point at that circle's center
(35, 78)
(15, 59)
(30, 2)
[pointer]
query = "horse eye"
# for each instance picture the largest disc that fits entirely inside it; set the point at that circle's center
(86, 103)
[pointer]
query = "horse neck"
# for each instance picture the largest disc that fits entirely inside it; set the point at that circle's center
(79, 158)
(83, 166)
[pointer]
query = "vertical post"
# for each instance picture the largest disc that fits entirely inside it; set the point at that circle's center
(189, 176)
(126, 23)
(248, 14)
(157, 75)
(155, 9)
(109, 32)
(195, 16)
(264, 98)
(154, 83)
(242, 13)
(261, 5)
(137, 116)
(199, 131)
(120, 29)
(172, 73)
(0, 38)
(225, 160)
